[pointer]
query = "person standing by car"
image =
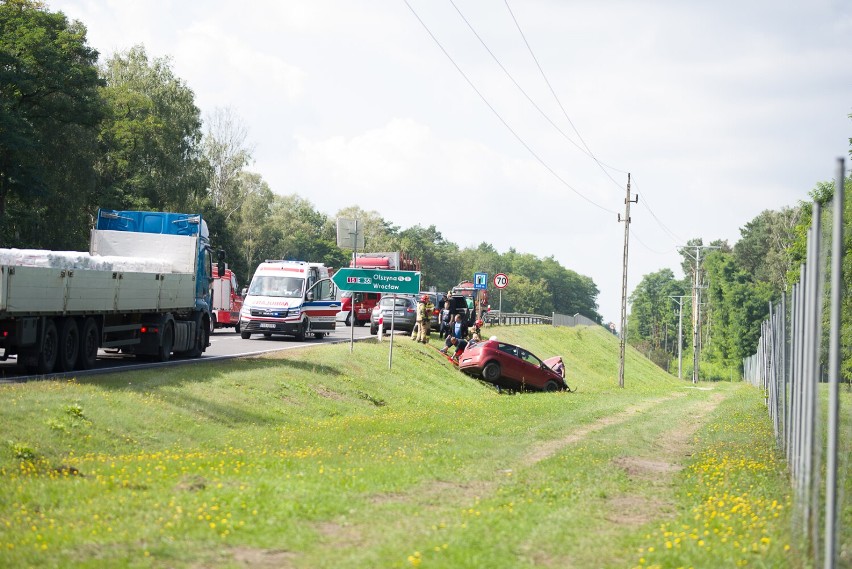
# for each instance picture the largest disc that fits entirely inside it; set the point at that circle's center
(424, 318)
(559, 367)
(446, 318)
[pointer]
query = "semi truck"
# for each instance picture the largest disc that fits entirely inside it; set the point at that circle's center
(227, 301)
(144, 288)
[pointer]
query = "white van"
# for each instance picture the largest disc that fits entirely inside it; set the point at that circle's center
(290, 298)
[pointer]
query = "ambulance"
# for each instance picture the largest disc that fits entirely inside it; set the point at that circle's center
(289, 298)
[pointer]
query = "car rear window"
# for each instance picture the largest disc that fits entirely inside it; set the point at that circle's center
(388, 302)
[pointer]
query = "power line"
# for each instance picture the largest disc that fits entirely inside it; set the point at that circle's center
(642, 243)
(500, 118)
(585, 150)
(674, 237)
(558, 102)
(670, 233)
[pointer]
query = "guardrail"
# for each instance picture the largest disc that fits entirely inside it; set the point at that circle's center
(516, 319)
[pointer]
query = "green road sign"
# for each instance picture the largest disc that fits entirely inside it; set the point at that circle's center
(377, 280)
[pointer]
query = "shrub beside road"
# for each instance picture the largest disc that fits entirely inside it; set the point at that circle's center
(322, 458)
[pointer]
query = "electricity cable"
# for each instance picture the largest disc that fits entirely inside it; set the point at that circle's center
(500, 118)
(558, 102)
(565, 135)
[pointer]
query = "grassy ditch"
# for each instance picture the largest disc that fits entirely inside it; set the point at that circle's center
(322, 458)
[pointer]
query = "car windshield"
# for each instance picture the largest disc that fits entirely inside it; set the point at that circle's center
(269, 285)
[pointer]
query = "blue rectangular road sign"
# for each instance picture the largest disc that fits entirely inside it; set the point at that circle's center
(480, 281)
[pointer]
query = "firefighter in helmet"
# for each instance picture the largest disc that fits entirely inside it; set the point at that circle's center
(424, 318)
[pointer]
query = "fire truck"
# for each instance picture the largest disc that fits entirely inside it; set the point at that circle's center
(227, 301)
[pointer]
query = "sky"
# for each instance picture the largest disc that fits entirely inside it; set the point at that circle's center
(515, 122)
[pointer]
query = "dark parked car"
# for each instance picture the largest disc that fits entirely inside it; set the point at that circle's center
(512, 367)
(403, 310)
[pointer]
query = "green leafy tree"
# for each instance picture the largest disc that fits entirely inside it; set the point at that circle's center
(763, 249)
(652, 316)
(152, 137)
(527, 296)
(49, 112)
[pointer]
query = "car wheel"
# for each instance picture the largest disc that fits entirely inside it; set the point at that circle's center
(491, 371)
(551, 386)
(374, 330)
(245, 335)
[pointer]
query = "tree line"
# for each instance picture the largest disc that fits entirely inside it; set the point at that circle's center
(78, 134)
(737, 283)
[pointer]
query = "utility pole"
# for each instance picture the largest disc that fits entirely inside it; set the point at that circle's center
(623, 335)
(696, 302)
(679, 300)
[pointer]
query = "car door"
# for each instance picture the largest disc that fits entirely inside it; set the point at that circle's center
(532, 369)
(321, 306)
(510, 363)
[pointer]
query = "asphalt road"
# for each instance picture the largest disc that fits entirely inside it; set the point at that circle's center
(224, 344)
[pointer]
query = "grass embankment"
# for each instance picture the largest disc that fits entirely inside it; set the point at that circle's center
(322, 458)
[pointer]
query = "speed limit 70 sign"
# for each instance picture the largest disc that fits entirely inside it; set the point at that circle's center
(501, 280)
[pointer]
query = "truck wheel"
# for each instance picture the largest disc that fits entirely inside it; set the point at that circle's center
(68, 346)
(49, 348)
(348, 321)
(89, 343)
(200, 338)
(491, 372)
(237, 327)
(212, 324)
(164, 352)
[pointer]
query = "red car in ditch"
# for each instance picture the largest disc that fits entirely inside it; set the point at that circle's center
(510, 367)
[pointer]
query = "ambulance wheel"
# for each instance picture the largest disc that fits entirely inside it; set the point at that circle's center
(304, 330)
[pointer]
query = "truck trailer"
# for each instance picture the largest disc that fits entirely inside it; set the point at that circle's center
(144, 287)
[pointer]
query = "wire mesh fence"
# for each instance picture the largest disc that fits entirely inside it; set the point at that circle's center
(798, 364)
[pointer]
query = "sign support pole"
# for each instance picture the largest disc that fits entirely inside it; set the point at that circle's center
(352, 303)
